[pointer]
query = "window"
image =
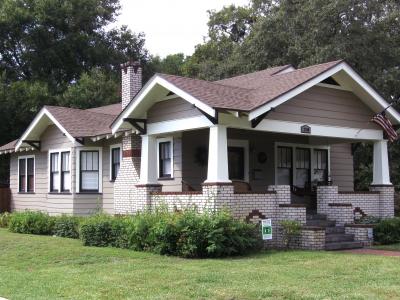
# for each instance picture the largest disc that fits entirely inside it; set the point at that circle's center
(115, 161)
(236, 163)
(89, 171)
(165, 160)
(284, 163)
(65, 172)
(303, 175)
(60, 175)
(26, 174)
(54, 172)
(321, 165)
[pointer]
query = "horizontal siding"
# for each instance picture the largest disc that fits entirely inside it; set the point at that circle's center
(172, 109)
(326, 106)
(342, 171)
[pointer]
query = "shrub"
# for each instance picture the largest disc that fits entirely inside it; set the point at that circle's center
(67, 226)
(387, 231)
(187, 233)
(4, 219)
(31, 222)
(103, 230)
(290, 230)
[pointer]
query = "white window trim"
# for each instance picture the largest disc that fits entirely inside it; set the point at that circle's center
(120, 157)
(59, 151)
(163, 140)
(294, 146)
(78, 167)
(26, 173)
(245, 145)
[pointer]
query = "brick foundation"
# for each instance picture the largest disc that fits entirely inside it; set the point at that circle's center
(360, 233)
(378, 202)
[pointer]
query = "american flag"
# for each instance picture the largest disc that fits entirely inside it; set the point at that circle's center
(387, 126)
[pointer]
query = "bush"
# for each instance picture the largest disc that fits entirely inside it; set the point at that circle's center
(367, 220)
(103, 230)
(187, 233)
(67, 226)
(387, 231)
(31, 222)
(4, 219)
(290, 230)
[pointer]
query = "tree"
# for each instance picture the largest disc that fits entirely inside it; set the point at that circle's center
(366, 33)
(93, 89)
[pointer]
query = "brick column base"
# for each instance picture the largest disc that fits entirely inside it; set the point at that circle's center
(386, 200)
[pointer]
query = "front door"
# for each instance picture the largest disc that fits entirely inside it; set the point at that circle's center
(236, 163)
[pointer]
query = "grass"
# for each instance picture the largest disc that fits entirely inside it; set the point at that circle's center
(38, 267)
(392, 247)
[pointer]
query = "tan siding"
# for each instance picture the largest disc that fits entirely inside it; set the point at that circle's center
(342, 166)
(171, 110)
(175, 185)
(52, 138)
(325, 106)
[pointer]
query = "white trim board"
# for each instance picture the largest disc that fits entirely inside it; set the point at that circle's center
(78, 166)
(43, 112)
(178, 125)
(26, 173)
(141, 96)
(343, 66)
(294, 146)
(59, 151)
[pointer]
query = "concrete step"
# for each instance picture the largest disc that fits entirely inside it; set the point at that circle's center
(339, 237)
(334, 230)
(316, 217)
(321, 223)
(343, 245)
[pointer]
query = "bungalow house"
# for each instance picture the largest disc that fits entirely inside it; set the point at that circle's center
(273, 144)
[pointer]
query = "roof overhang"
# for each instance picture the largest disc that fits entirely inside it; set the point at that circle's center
(155, 88)
(39, 124)
(346, 77)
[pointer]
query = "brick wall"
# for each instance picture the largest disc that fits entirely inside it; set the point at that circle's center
(342, 213)
(360, 233)
(379, 201)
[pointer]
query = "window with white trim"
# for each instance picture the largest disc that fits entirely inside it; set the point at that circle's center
(115, 161)
(60, 171)
(89, 171)
(26, 174)
(165, 158)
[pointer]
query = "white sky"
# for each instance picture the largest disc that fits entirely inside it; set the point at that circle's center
(171, 26)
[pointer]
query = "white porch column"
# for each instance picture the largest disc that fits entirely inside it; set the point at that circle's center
(148, 162)
(217, 170)
(381, 163)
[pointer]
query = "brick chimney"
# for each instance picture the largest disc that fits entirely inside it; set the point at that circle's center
(131, 81)
(129, 172)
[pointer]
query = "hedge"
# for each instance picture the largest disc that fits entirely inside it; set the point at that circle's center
(387, 231)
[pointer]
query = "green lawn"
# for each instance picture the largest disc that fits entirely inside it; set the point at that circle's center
(33, 267)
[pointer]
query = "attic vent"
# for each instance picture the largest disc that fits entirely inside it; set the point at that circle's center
(330, 80)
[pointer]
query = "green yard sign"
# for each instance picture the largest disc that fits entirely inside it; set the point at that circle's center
(266, 229)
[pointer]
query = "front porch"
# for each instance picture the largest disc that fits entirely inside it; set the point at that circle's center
(258, 175)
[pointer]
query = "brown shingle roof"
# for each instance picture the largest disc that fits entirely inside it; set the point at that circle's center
(82, 123)
(249, 91)
(9, 146)
(112, 109)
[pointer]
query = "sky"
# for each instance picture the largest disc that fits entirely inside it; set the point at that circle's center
(171, 26)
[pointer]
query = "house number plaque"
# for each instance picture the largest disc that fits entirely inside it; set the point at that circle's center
(305, 129)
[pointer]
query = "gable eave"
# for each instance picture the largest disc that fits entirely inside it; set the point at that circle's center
(35, 123)
(342, 66)
(144, 92)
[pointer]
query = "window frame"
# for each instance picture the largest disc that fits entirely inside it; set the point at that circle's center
(59, 163)
(112, 147)
(160, 141)
(25, 158)
(294, 146)
(236, 143)
(78, 170)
